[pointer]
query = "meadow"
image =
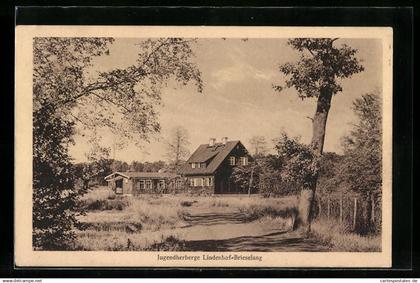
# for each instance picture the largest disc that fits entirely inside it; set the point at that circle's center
(186, 222)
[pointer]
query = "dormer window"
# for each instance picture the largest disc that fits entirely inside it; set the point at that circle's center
(232, 160)
(244, 161)
(193, 165)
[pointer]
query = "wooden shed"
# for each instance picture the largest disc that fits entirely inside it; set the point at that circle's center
(142, 182)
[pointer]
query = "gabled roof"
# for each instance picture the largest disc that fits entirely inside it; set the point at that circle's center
(150, 175)
(214, 155)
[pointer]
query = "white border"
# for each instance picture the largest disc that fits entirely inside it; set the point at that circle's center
(25, 256)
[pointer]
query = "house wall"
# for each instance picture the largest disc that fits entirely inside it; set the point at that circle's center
(127, 186)
(200, 189)
(111, 185)
(169, 186)
(223, 184)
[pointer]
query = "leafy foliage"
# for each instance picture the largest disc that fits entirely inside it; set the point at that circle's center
(241, 176)
(316, 74)
(58, 74)
(271, 180)
(301, 164)
(331, 179)
(319, 66)
(124, 99)
(363, 147)
(54, 193)
(66, 94)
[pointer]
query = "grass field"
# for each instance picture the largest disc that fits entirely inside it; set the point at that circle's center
(184, 222)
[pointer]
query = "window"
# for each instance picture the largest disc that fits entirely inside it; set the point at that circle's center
(198, 165)
(193, 165)
(197, 182)
(203, 165)
(149, 184)
(244, 160)
(232, 160)
(211, 181)
(206, 182)
(192, 182)
(141, 184)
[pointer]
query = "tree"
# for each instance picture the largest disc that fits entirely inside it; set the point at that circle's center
(136, 166)
(247, 177)
(54, 192)
(66, 95)
(177, 146)
(317, 74)
(362, 166)
(300, 166)
(258, 145)
(330, 177)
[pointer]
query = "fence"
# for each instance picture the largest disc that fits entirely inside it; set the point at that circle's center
(354, 212)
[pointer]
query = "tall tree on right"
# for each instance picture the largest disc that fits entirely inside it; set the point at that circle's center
(316, 75)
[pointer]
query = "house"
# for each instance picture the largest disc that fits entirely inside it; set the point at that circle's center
(211, 166)
(142, 182)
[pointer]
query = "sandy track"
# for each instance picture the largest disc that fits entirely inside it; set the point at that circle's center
(231, 231)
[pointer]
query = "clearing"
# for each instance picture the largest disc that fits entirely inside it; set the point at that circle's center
(197, 223)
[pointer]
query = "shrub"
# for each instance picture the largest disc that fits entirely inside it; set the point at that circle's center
(105, 204)
(254, 212)
(339, 238)
(186, 203)
(112, 195)
(219, 203)
(156, 214)
(170, 243)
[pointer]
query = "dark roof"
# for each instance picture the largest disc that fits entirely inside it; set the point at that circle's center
(214, 154)
(150, 175)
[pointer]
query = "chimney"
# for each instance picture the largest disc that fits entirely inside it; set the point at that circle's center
(212, 141)
(224, 140)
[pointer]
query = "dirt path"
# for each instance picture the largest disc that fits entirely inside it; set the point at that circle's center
(231, 231)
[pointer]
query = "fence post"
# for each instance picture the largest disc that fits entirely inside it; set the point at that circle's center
(328, 209)
(341, 209)
(354, 213)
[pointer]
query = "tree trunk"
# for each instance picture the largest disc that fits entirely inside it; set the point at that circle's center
(250, 182)
(319, 208)
(366, 225)
(319, 122)
(373, 208)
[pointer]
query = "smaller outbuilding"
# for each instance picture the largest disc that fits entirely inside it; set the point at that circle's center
(134, 183)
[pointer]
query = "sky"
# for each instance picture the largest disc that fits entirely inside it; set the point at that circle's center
(238, 100)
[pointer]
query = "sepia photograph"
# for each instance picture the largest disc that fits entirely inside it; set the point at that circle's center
(204, 146)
